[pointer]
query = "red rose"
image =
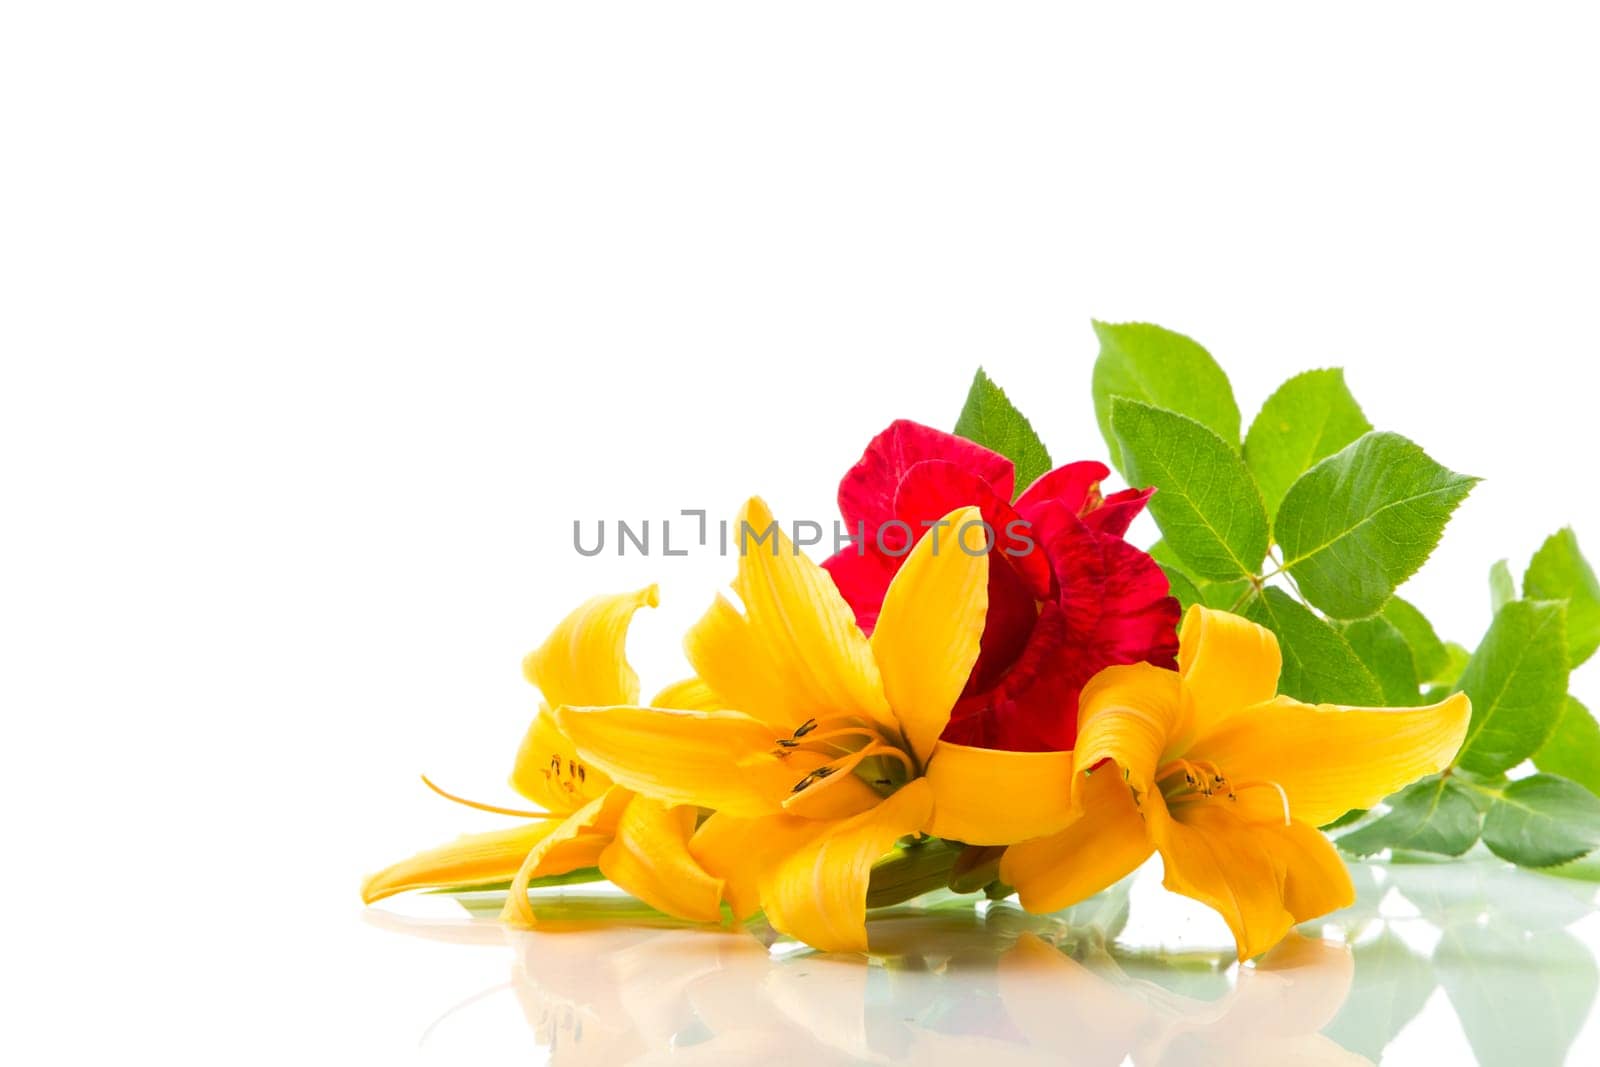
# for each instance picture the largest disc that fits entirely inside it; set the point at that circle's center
(1067, 595)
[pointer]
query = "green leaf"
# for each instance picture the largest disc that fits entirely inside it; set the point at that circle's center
(1573, 750)
(1180, 583)
(1309, 418)
(1386, 653)
(1354, 815)
(1456, 659)
(1319, 665)
(1363, 520)
(1502, 587)
(1206, 504)
(1543, 820)
(1559, 572)
(1165, 370)
(1396, 981)
(1530, 1017)
(1223, 595)
(1434, 815)
(1182, 586)
(1517, 680)
(1483, 790)
(1427, 651)
(991, 420)
(1162, 553)
(1586, 869)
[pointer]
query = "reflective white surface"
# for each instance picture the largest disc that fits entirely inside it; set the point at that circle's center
(1435, 963)
(323, 321)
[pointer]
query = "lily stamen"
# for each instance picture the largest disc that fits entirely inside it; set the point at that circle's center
(846, 764)
(815, 776)
(806, 738)
(494, 809)
(1202, 776)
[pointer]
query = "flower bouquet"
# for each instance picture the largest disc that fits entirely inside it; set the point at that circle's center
(988, 689)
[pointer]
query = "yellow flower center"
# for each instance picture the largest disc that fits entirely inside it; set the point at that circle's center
(852, 745)
(1184, 781)
(565, 773)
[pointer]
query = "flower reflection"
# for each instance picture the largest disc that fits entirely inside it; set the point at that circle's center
(948, 983)
(1494, 940)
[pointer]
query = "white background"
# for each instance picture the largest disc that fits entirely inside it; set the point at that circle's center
(321, 322)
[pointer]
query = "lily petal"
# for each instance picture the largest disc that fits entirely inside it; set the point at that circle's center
(472, 859)
(862, 575)
(796, 652)
(984, 796)
(691, 694)
(926, 640)
(1228, 663)
(739, 851)
(582, 661)
(1128, 714)
(841, 796)
(649, 858)
(1211, 855)
(1098, 849)
(575, 842)
(1330, 759)
(723, 760)
(819, 892)
(1315, 879)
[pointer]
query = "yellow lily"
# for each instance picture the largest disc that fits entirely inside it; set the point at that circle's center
(586, 820)
(833, 751)
(1228, 781)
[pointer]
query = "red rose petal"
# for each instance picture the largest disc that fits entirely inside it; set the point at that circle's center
(1059, 498)
(1071, 485)
(1117, 512)
(867, 491)
(1033, 696)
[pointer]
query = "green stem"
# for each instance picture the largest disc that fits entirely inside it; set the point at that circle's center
(975, 869)
(1255, 587)
(911, 871)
